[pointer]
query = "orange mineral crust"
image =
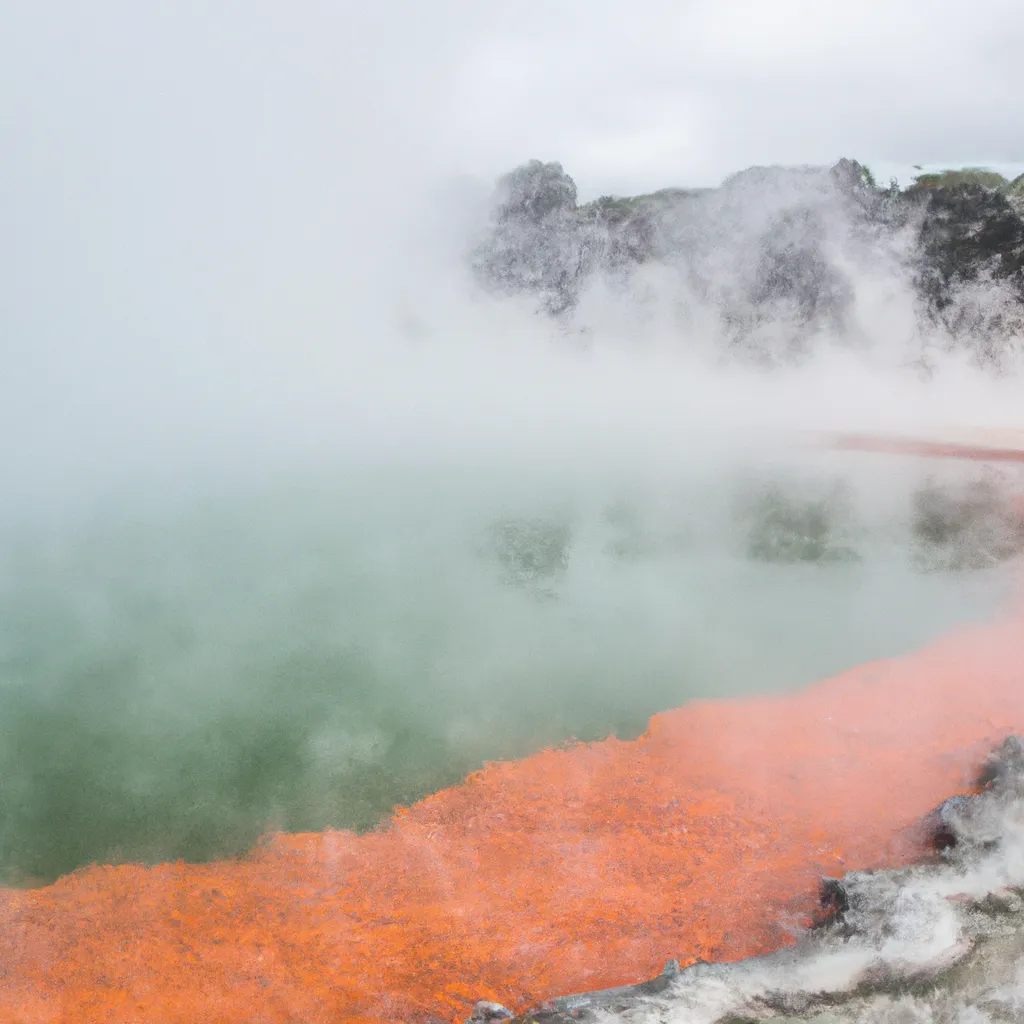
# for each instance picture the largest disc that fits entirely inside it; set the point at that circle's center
(570, 870)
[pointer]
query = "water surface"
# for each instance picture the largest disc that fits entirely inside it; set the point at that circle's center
(180, 673)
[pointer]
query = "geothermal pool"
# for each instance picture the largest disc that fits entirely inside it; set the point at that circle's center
(182, 671)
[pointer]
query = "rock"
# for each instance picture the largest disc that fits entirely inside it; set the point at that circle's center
(533, 244)
(775, 254)
(971, 237)
(1014, 193)
(1004, 769)
(794, 275)
(534, 192)
(589, 1007)
(484, 1012)
(851, 176)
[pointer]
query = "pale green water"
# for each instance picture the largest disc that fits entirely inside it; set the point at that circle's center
(178, 676)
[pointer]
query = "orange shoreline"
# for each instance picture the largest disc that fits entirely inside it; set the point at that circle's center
(929, 449)
(570, 870)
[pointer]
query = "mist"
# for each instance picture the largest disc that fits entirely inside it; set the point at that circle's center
(220, 225)
(299, 523)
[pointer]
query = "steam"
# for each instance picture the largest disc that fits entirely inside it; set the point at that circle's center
(265, 436)
(258, 260)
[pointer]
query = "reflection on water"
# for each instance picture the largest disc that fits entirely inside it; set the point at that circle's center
(176, 680)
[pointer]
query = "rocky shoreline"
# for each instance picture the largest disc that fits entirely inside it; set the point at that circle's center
(940, 940)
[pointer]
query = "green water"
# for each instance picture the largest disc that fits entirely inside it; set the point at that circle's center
(179, 676)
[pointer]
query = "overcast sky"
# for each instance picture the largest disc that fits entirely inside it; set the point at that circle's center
(626, 94)
(634, 94)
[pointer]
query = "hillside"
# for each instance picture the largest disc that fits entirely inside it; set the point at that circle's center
(777, 258)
